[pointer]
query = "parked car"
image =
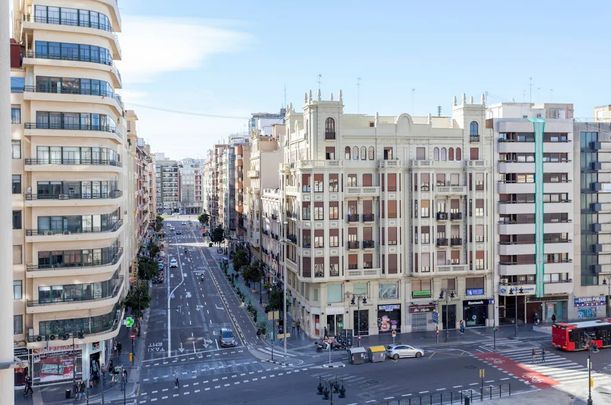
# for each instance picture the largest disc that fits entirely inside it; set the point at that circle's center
(173, 263)
(397, 351)
(226, 338)
(183, 223)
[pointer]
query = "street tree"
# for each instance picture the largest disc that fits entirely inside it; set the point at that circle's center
(138, 298)
(147, 268)
(158, 223)
(240, 258)
(275, 298)
(204, 218)
(217, 235)
(252, 273)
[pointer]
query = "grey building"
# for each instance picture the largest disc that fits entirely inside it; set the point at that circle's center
(168, 184)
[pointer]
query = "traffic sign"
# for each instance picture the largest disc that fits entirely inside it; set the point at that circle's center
(128, 322)
(394, 333)
(435, 317)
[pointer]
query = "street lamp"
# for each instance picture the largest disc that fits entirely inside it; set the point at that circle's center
(515, 323)
(592, 348)
(449, 294)
(357, 300)
(607, 282)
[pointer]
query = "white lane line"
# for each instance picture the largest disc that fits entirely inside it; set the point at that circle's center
(458, 386)
(387, 398)
(473, 384)
(440, 389)
(423, 392)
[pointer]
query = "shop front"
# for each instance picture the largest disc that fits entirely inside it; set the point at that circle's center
(22, 365)
(590, 307)
(389, 318)
(543, 308)
(421, 316)
(361, 322)
(335, 321)
(475, 312)
(56, 363)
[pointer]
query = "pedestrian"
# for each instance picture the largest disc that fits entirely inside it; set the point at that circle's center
(533, 355)
(543, 355)
(119, 347)
(83, 388)
(298, 326)
(553, 319)
(176, 382)
(28, 386)
(462, 327)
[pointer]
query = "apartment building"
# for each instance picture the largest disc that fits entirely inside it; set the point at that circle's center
(389, 219)
(242, 184)
(214, 164)
(227, 185)
(70, 183)
(534, 157)
(271, 229)
(167, 180)
(191, 177)
(591, 157)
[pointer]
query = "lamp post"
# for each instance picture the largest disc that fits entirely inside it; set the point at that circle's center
(448, 294)
(592, 348)
(516, 291)
(607, 282)
(357, 299)
(284, 281)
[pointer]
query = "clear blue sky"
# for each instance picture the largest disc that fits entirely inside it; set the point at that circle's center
(235, 57)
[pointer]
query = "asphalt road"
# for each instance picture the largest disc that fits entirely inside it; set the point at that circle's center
(240, 375)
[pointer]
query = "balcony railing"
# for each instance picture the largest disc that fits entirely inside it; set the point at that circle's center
(329, 135)
(94, 263)
(353, 217)
(353, 244)
(442, 241)
(72, 57)
(51, 232)
(474, 138)
(369, 244)
(70, 21)
(73, 162)
(455, 216)
(75, 196)
(95, 329)
(65, 300)
(76, 92)
(368, 217)
(456, 241)
(442, 216)
(71, 127)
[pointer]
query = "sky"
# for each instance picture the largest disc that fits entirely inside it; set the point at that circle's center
(232, 58)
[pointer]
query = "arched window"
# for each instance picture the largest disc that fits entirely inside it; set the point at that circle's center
(355, 153)
(458, 154)
(451, 154)
(436, 153)
(329, 128)
(444, 154)
(363, 153)
(372, 153)
(347, 153)
(474, 128)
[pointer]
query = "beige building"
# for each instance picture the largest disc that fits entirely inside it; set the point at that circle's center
(388, 219)
(70, 184)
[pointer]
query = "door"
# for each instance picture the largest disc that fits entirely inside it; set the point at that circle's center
(361, 322)
(449, 313)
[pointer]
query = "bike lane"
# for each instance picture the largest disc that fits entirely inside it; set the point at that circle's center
(517, 370)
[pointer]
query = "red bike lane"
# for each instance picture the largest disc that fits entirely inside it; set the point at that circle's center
(517, 370)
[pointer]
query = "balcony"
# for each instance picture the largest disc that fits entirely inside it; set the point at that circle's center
(362, 273)
(292, 238)
(456, 241)
(75, 196)
(53, 232)
(442, 216)
(353, 217)
(452, 268)
(368, 217)
(70, 269)
(72, 162)
(369, 244)
(72, 127)
(353, 244)
(442, 242)
(451, 190)
(77, 93)
(329, 135)
(474, 138)
(456, 216)
(368, 191)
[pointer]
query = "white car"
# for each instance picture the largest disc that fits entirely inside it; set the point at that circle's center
(173, 263)
(397, 351)
(183, 223)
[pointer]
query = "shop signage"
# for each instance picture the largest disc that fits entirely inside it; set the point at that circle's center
(414, 309)
(389, 318)
(517, 290)
(590, 301)
(475, 291)
(421, 294)
(478, 302)
(389, 308)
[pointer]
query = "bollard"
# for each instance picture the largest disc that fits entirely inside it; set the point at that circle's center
(509, 386)
(500, 390)
(491, 392)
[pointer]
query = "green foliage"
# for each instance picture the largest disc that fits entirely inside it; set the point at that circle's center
(217, 235)
(204, 218)
(275, 299)
(138, 298)
(153, 249)
(158, 223)
(240, 258)
(147, 268)
(252, 273)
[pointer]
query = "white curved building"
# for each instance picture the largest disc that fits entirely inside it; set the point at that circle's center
(70, 185)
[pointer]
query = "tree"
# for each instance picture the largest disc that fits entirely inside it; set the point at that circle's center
(147, 268)
(153, 249)
(158, 223)
(240, 258)
(252, 273)
(204, 218)
(217, 235)
(275, 298)
(138, 298)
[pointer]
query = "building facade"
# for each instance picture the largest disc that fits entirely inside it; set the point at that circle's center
(191, 178)
(167, 179)
(389, 219)
(70, 183)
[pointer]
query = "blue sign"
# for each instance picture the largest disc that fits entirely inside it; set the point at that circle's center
(475, 291)
(435, 317)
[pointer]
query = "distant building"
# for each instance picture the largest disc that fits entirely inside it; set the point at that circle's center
(191, 178)
(167, 179)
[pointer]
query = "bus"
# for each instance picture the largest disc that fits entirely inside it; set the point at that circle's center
(574, 336)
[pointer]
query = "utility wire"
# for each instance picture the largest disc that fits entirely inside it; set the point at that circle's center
(191, 113)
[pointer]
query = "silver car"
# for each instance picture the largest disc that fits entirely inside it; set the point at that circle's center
(395, 352)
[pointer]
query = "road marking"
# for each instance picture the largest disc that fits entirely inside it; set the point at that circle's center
(423, 392)
(473, 384)
(406, 395)
(387, 398)
(457, 386)
(440, 389)
(196, 391)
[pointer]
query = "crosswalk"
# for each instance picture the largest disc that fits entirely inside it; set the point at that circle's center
(560, 369)
(503, 344)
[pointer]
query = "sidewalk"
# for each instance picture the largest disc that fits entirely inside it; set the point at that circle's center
(56, 394)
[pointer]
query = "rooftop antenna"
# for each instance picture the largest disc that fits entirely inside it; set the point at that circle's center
(358, 95)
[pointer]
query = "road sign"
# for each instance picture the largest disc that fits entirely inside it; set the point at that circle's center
(271, 315)
(393, 333)
(128, 322)
(435, 317)
(280, 336)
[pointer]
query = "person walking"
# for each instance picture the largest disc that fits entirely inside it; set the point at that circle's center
(28, 386)
(119, 347)
(553, 319)
(533, 355)
(176, 381)
(298, 326)
(543, 355)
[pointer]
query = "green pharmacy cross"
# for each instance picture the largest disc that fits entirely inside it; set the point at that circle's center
(128, 322)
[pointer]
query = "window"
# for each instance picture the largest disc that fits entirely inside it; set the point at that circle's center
(355, 153)
(479, 233)
(363, 153)
(333, 183)
(305, 183)
(392, 208)
(360, 288)
(16, 148)
(368, 261)
(17, 219)
(392, 235)
(444, 154)
(330, 153)
(347, 153)
(329, 128)
(333, 210)
(473, 128)
(426, 235)
(17, 254)
(479, 260)
(334, 293)
(352, 180)
(425, 209)
(421, 288)
(319, 183)
(18, 324)
(353, 262)
(458, 154)
(371, 153)
(17, 289)
(319, 211)
(479, 207)
(305, 210)
(425, 179)
(475, 286)
(319, 238)
(17, 84)
(451, 154)
(334, 266)
(392, 181)
(474, 154)
(16, 184)
(367, 180)
(420, 153)
(388, 291)
(436, 153)
(388, 153)
(333, 237)
(15, 114)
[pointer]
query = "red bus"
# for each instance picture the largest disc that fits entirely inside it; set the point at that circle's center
(573, 336)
